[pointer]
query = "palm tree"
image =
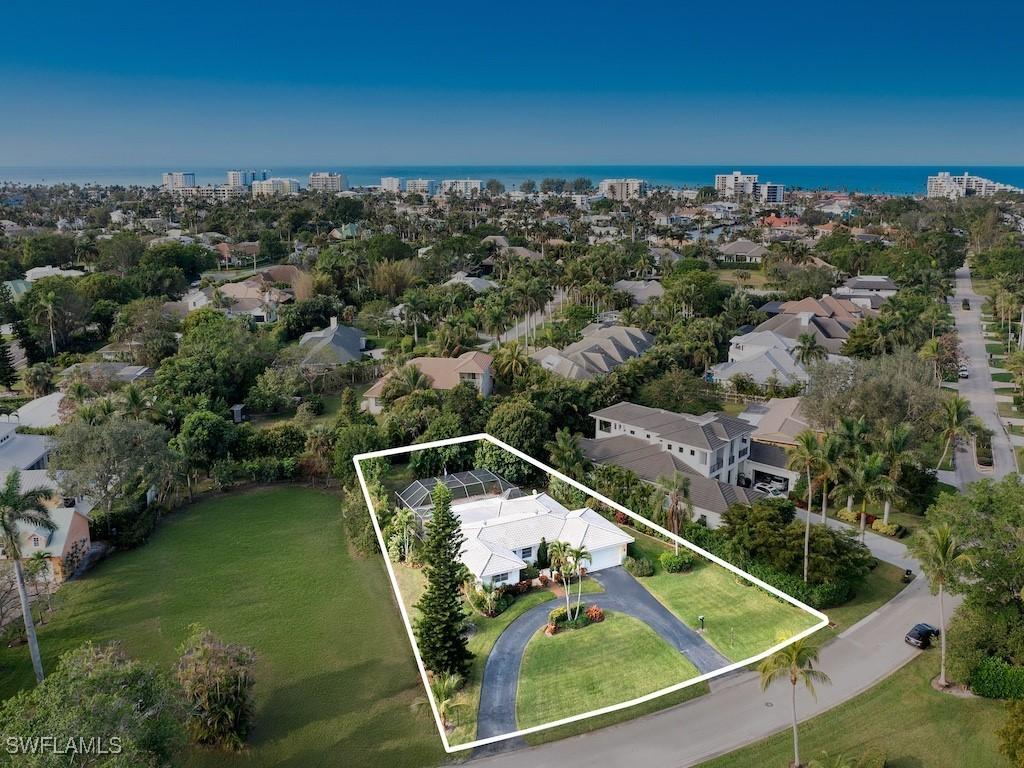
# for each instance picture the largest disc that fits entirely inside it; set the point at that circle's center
(406, 380)
(864, 478)
(38, 379)
(804, 457)
(511, 360)
(26, 508)
(560, 557)
(49, 306)
(931, 351)
(319, 443)
(808, 349)
(78, 391)
(795, 662)
(566, 455)
(941, 557)
(895, 447)
(851, 435)
(578, 556)
(831, 761)
(956, 417)
(829, 469)
(444, 687)
(134, 403)
(677, 486)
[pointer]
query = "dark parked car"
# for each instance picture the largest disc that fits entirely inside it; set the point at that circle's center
(921, 635)
(965, 304)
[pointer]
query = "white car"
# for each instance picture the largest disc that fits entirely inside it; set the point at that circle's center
(964, 373)
(771, 491)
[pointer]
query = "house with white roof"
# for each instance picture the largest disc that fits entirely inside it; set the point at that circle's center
(602, 349)
(865, 287)
(503, 532)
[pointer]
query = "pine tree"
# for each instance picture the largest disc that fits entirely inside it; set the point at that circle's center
(7, 373)
(439, 631)
(9, 313)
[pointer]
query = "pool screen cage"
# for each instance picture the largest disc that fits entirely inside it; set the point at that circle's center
(463, 485)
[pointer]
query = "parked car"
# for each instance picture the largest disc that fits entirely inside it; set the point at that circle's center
(921, 635)
(964, 373)
(770, 490)
(965, 304)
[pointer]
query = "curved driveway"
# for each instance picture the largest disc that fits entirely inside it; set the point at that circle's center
(497, 713)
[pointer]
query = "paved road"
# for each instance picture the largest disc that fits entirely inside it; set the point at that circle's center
(884, 548)
(978, 388)
(622, 593)
(519, 330)
(736, 712)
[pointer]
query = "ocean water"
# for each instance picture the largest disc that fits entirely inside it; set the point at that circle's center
(881, 179)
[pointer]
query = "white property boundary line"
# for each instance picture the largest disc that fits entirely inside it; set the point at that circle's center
(822, 618)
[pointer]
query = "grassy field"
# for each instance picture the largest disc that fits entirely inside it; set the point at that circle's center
(1005, 377)
(331, 404)
(916, 727)
(579, 670)
(335, 679)
(881, 585)
(757, 278)
(740, 621)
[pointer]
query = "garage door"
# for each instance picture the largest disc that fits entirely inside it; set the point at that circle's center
(608, 557)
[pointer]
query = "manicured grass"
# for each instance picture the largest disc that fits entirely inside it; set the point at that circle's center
(1004, 377)
(484, 637)
(1007, 410)
(994, 348)
(584, 669)
(903, 716)
(270, 568)
(881, 585)
(757, 278)
(740, 621)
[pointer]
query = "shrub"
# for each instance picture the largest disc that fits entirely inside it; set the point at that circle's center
(315, 403)
(522, 587)
(873, 758)
(622, 518)
(888, 529)
(595, 614)
(530, 572)
(544, 580)
(676, 563)
(848, 516)
(996, 679)
(639, 567)
(558, 616)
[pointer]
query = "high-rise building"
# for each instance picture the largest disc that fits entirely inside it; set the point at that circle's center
(953, 187)
(245, 178)
(210, 192)
(274, 186)
(423, 187)
(623, 189)
(178, 180)
(391, 184)
(462, 187)
(769, 193)
(736, 183)
(326, 181)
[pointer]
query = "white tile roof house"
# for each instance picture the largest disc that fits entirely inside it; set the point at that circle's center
(502, 534)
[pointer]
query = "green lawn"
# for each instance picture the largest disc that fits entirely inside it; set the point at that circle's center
(757, 278)
(331, 404)
(740, 621)
(270, 568)
(481, 641)
(994, 348)
(580, 670)
(883, 583)
(916, 726)
(1005, 377)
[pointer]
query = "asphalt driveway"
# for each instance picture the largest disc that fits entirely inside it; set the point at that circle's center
(497, 714)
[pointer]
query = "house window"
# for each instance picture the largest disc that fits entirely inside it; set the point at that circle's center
(693, 452)
(501, 578)
(527, 552)
(35, 541)
(604, 426)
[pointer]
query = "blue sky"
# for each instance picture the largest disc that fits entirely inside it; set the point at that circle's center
(225, 82)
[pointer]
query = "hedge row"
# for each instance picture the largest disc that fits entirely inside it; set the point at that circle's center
(997, 679)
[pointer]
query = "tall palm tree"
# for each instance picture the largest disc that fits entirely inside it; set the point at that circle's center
(795, 663)
(941, 557)
(852, 435)
(134, 403)
(895, 447)
(566, 455)
(931, 351)
(578, 556)
(803, 457)
(808, 349)
(560, 557)
(27, 508)
(319, 444)
(677, 486)
(864, 479)
(956, 418)
(829, 469)
(49, 306)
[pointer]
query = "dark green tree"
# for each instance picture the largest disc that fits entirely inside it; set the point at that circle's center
(8, 375)
(440, 628)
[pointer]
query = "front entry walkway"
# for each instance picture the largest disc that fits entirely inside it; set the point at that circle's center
(497, 714)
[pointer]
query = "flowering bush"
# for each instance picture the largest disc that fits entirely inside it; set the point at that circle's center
(595, 614)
